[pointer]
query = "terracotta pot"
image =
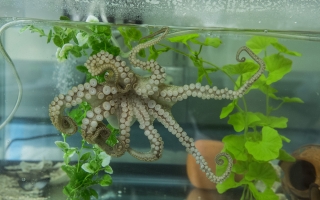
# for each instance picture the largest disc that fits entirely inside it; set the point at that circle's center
(208, 149)
(301, 178)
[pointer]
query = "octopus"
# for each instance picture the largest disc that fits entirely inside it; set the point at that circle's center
(125, 97)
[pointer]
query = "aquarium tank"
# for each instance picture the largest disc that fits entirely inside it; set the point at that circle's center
(150, 99)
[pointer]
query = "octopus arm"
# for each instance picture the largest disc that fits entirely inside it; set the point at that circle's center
(164, 116)
(179, 93)
(74, 97)
(150, 132)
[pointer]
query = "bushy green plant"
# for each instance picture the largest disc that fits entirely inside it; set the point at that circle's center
(85, 173)
(79, 42)
(260, 142)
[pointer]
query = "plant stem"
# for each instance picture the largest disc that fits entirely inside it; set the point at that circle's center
(204, 61)
(267, 105)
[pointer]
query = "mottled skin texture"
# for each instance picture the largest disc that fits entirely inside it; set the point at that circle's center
(126, 97)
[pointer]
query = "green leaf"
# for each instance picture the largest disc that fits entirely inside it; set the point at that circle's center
(108, 169)
(58, 30)
(227, 110)
(214, 42)
(82, 69)
(130, 35)
(235, 145)
(281, 48)
(70, 170)
(240, 167)
(268, 90)
(70, 152)
(64, 18)
(58, 41)
(154, 53)
(23, 29)
(277, 66)
(271, 121)
(88, 168)
(105, 158)
(283, 155)
(267, 194)
(49, 36)
(85, 194)
(67, 190)
(62, 145)
(260, 43)
(230, 183)
(238, 120)
(106, 180)
(241, 68)
(268, 148)
(261, 171)
(79, 113)
(85, 156)
(291, 100)
(184, 38)
(112, 140)
(198, 62)
(76, 51)
(93, 193)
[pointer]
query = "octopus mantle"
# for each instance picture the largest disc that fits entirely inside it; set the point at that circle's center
(126, 97)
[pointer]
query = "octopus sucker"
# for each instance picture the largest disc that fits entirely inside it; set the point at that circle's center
(125, 97)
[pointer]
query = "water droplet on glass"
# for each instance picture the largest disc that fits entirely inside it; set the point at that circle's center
(119, 192)
(295, 22)
(23, 179)
(259, 22)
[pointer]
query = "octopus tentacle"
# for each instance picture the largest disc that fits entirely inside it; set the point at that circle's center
(100, 137)
(158, 74)
(179, 93)
(125, 121)
(95, 132)
(169, 122)
(154, 138)
(63, 123)
(89, 92)
(145, 45)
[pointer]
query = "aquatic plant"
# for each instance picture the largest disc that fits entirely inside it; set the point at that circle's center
(85, 173)
(260, 142)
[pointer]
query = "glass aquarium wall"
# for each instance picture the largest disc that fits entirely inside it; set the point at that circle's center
(159, 99)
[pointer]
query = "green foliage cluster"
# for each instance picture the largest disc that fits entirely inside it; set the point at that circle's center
(187, 40)
(261, 142)
(75, 41)
(85, 173)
